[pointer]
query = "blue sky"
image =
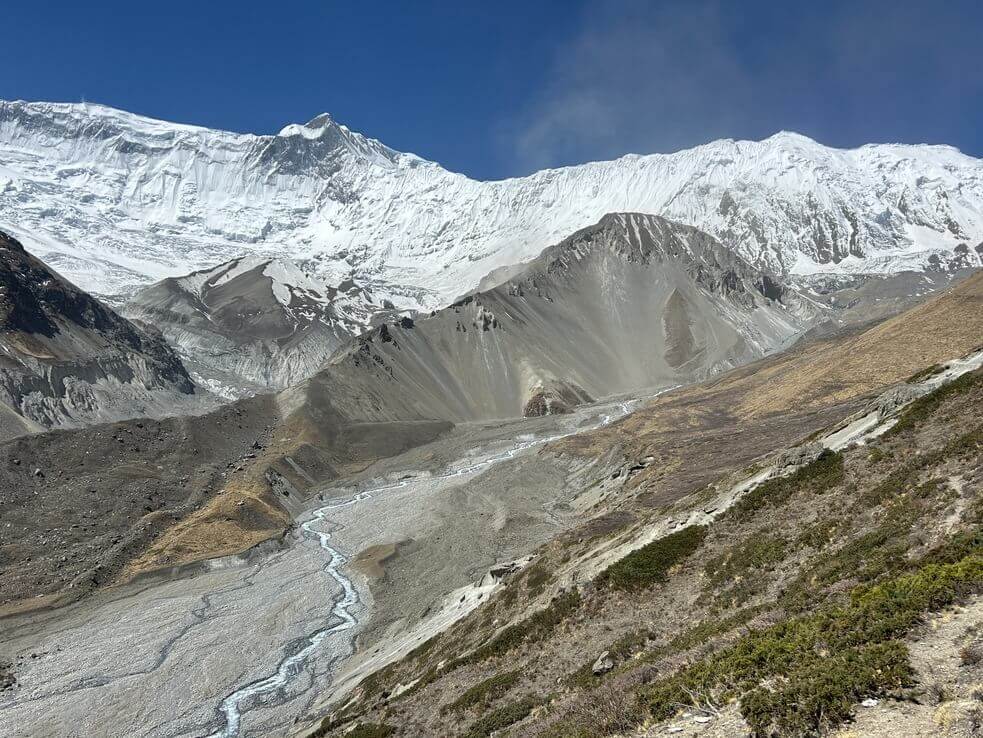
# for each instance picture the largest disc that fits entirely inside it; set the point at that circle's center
(496, 89)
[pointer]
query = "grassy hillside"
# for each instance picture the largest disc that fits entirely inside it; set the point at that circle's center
(776, 616)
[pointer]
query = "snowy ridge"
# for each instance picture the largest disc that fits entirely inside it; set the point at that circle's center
(114, 200)
(302, 297)
(253, 323)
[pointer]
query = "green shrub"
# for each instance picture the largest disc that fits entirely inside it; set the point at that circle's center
(818, 476)
(536, 578)
(819, 534)
(651, 563)
(626, 646)
(819, 664)
(423, 648)
(925, 373)
(490, 689)
(710, 629)
(823, 693)
(534, 628)
(876, 455)
(919, 410)
(503, 717)
(966, 444)
(759, 551)
(867, 557)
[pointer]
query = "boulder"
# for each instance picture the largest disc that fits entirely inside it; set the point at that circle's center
(799, 455)
(603, 665)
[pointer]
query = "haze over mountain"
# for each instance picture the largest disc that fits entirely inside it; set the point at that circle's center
(114, 201)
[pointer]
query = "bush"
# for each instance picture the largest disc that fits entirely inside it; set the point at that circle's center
(930, 371)
(759, 551)
(820, 663)
(607, 710)
(621, 649)
(503, 717)
(534, 628)
(822, 693)
(818, 476)
(919, 410)
(651, 563)
(537, 577)
(971, 655)
(486, 691)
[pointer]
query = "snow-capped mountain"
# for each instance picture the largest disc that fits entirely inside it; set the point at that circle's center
(114, 200)
(633, 301)
(253, 323)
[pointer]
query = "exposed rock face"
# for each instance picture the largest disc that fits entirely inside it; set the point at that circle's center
(253, 324)
(67, 360)
(556, 398)
(797, 456)
(603, 664)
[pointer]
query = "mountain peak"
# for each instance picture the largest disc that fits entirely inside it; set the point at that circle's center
(345, 204)
(313, 128)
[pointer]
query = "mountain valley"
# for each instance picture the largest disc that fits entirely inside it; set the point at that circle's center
(304, 436)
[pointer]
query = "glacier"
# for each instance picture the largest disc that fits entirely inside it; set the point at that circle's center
(115, 201)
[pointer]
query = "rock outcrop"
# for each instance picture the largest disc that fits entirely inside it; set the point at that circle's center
(253, 325)
(68, 360)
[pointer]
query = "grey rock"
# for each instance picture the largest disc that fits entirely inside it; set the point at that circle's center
(896, 397)
(67, 360)
(799, 455)
(603, 664)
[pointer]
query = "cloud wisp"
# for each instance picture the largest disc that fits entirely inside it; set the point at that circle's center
(659, 76)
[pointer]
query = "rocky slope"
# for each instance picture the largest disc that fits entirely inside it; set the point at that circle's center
(67, 360)
(253, 324)
(115, 200)
(758, 556)
(635, 301)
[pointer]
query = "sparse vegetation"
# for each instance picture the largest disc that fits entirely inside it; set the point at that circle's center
(362, 730)
(486, 691)
(536, 578)
(534, 628)
(818, 476)
(919, 410)
(503, 717)
(823, 692)
(833, 599)
(371, 730)
(651, 563)
(824, 661)
(623, 648)
(758, 551)
(424, 648)
(820, 534)
(971, 655)
(925, 373)
(604, 710)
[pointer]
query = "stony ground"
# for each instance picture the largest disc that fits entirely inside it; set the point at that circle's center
(131, 648)
(76, 505)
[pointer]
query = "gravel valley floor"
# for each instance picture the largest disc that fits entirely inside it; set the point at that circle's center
(244, 646)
